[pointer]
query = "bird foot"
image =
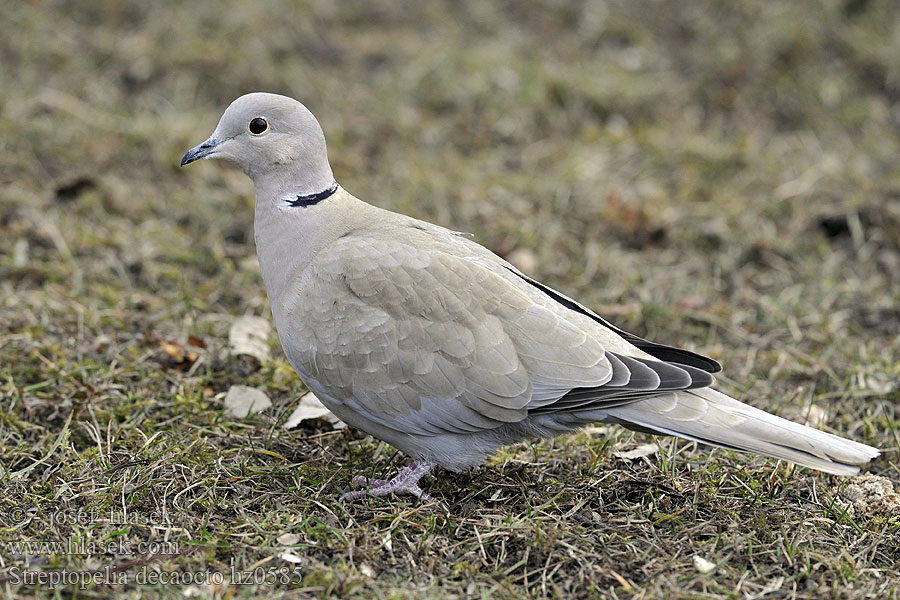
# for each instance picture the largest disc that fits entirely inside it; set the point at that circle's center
(405, 482)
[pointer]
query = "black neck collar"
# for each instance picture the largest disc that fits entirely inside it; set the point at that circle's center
(311, 199)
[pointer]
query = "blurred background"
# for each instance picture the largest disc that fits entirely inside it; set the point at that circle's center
(720, 175)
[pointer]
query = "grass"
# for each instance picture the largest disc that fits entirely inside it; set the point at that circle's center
(721, 176)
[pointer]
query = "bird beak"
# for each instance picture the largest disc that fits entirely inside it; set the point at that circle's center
(204, 150)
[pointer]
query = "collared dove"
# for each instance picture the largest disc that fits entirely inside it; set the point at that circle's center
(430, 342)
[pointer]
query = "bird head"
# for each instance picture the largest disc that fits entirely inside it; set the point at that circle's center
(270, 137)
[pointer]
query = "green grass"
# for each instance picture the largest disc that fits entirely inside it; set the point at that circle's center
(721, 176)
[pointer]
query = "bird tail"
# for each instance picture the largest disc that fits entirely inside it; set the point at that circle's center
(710, 417)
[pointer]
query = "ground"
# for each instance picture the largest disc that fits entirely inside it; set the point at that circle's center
(717, 175)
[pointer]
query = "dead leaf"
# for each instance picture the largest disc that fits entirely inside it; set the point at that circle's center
(195, 341)
(249, 335)
(242, 400)
(367, 571)
(310, 407)
(702, 565)
(288, 539)
(179, 357)
(174, 350)
(639, 452)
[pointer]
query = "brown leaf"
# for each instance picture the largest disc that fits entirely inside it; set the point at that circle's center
(178, 356)
(195, 341)
(174, 350)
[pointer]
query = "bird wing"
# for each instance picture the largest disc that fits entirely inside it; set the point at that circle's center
(416, 337)
(464, 245)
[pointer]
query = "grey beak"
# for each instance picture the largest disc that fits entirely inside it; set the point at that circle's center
(204, 150)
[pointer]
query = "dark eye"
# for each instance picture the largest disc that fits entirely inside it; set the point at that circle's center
(258, 126)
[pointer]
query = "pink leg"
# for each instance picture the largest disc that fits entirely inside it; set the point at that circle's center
(405, 482)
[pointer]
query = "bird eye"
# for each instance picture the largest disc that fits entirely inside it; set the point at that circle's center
(258, 126)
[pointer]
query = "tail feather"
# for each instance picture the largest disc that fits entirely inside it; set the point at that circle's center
(711, 417)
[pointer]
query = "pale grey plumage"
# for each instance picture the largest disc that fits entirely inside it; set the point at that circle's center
(427, 340)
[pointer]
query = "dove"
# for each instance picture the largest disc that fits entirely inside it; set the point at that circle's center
(422, 338)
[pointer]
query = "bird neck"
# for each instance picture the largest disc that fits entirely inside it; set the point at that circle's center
(289, 237)
(304, 200)
(295, 174)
